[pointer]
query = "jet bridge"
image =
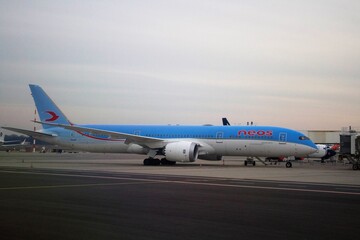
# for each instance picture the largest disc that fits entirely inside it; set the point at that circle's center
(350, 147)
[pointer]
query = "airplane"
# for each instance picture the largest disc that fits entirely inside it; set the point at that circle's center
(2, 138)
(225, 122)
(324, 151)
(8, 145)
(176, 143)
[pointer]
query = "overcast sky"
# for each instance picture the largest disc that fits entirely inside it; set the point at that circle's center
(285, 63)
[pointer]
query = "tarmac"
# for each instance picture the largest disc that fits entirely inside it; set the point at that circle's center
(113, 196)
(302, 171)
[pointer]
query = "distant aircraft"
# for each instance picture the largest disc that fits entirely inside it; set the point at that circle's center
(175, 143)
(225, 122)
(324, 151)
(7, 145)
(2, 138)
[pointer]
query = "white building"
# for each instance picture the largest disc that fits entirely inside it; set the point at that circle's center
(323, 136)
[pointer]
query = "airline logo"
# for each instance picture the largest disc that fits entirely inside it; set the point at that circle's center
(267, 133)
(53, 117)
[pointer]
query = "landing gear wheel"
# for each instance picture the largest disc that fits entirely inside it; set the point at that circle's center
(156, 162)
(355, 166)
(164, 161)
(245, 163)
(146, 162)
(151, 162)
(288, 165)
(254, 163)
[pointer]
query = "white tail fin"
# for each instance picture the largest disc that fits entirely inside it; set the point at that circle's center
(2, 138)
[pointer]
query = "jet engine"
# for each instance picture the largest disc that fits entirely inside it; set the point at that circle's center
(181, 151)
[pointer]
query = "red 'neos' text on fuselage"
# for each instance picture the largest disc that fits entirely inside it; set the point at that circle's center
(255, 133)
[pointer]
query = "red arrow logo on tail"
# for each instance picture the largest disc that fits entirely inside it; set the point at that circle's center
(54, 117)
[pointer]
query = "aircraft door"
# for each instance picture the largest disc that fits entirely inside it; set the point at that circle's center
(283, 138)
(219, 137)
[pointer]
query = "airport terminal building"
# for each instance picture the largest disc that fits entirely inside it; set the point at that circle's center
(323, 136)
(328, 136)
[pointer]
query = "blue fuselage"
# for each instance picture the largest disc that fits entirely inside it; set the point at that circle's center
(214, 140)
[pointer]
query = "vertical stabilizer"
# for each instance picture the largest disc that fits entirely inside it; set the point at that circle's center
(2, 138)
(47, 109)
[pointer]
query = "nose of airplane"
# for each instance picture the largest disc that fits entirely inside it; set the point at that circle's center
(312, 147)
(307, 148)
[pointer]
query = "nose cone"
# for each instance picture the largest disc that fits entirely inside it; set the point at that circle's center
(306, 150)
(320, 152)
(306, 147)
(311, 147)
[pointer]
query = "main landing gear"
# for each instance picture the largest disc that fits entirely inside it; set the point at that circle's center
(249, 161)
(356, 166)
(288, 164)
(157, 162)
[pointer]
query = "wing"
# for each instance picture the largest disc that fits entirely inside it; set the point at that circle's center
(129, 138)
(30, 133)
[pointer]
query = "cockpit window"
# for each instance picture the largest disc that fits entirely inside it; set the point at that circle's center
(304, 138)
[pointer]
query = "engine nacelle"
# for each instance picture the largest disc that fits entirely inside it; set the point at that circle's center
(181, 151)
